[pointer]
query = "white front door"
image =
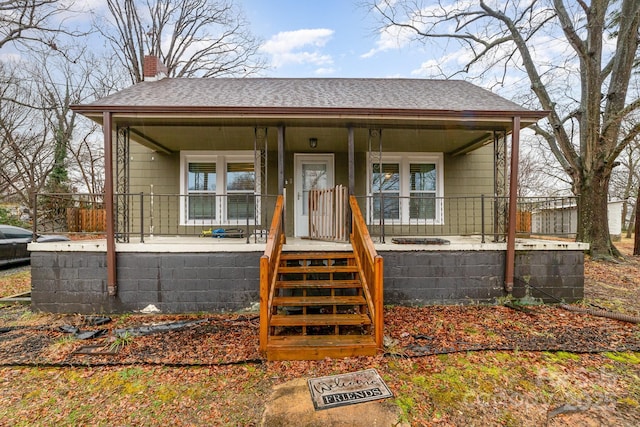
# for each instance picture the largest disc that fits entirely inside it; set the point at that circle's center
(312, 171)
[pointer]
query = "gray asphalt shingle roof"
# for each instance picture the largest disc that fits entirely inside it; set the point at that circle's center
(402, 94)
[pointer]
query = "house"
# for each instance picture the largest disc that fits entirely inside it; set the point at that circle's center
(229, 192)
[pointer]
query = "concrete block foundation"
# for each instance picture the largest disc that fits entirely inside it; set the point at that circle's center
(75, 282)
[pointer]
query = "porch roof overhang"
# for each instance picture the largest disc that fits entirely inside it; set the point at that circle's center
(164, 128)
(460, 115)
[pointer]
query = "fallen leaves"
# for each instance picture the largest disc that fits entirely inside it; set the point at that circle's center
(211, 373)
(15, 281)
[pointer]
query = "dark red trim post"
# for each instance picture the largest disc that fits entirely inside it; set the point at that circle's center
(513, 200)
(281, 159)
(351, 160)
(112, 286)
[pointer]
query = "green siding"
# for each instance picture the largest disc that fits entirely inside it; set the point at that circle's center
(469, 174)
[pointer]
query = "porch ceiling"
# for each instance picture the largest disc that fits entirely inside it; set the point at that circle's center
(438, 134)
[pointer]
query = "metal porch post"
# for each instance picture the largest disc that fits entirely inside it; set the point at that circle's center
(351, 149)
(112, 286)
(281, 159)
(513, 200)
(281, 190)
(352, 179)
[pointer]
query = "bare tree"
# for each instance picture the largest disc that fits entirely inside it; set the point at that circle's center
(34, 21)
(44, 145)
(203, 38)
(87, 157)
(538, 172)
(624, 182)
(26, 155)
(597, 47)
(636, 243)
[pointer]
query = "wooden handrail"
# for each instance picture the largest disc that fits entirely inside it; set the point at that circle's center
(365, 287)
(269, 262)
(371, 268)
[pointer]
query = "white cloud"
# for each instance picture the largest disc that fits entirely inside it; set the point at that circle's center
(11, 57)
(325, 71)
(389, 39)
(430, 18)
(444, 66)
(299, 47)
(79, 13)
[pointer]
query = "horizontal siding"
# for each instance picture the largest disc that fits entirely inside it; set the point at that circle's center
(470, 174)
(148, 168)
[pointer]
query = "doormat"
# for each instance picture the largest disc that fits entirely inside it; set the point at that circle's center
(347, 389)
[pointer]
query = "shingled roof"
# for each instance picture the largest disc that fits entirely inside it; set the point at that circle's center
(307, 93)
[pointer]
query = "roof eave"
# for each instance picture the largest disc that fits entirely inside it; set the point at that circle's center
(92, 110)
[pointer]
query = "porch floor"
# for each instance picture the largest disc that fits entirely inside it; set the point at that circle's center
(186, 244)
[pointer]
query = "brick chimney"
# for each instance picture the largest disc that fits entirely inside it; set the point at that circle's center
(154, 69)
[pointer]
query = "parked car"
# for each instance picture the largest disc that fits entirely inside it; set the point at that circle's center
(13, 244)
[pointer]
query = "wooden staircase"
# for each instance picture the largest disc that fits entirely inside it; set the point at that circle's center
(315, 305)
(319, 308)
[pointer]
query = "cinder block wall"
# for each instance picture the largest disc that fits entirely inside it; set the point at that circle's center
(75, 282)
(467, 277)
(550, 275)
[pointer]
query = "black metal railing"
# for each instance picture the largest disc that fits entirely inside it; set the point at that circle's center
(241, 215)
(484, 216)
(247, 216)
(548, 216)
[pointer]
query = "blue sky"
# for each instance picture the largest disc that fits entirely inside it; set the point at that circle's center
(316, 38)
(327, 38)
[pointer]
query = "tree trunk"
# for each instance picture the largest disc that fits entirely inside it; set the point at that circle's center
(592, 214)
(631, 227)
(636, 243)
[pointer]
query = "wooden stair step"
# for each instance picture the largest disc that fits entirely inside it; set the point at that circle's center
(316, 255)
(318, 300)
(317, 347)
(320, 320)
(318, 284)
(308, 269)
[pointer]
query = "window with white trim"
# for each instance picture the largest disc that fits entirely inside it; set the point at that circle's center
(201, 190)
(241, 180)
(407, 188)
(386, 190)
(217, 188)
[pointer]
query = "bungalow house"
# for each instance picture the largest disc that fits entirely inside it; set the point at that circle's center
(222, 193)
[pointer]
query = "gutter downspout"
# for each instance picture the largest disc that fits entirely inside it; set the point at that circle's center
(112, 286)
(513, 200)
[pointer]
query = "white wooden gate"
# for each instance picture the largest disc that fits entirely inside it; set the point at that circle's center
(329, 214)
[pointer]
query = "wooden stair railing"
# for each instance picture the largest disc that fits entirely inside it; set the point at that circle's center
(371, 269)
(322, 303)
(319, 309)
(268, 270)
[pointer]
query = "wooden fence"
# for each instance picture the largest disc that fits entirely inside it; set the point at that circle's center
(86, 220)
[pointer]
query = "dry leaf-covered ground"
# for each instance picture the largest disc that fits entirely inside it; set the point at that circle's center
(447, 365)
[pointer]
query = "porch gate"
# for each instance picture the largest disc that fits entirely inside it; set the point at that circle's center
(329, 214)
